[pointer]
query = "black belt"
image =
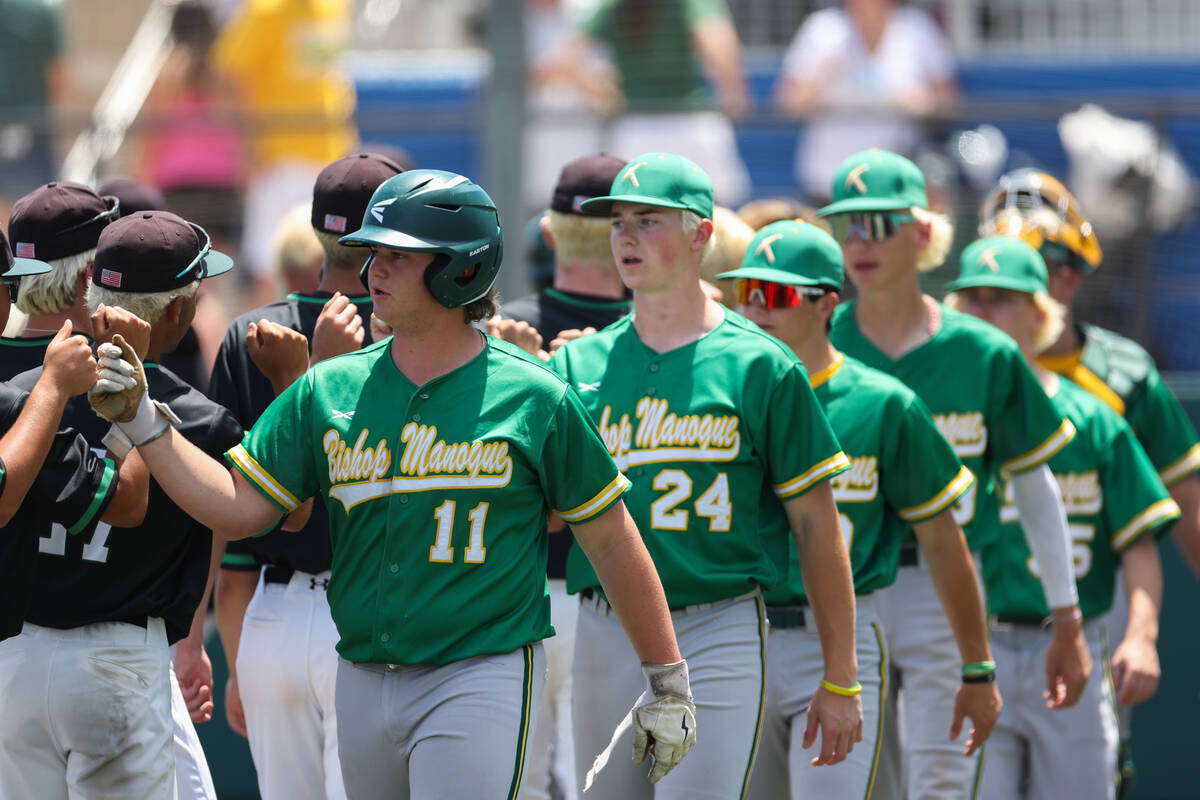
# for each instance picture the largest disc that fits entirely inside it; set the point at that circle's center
(137, 619)
(788, 616)
(908, 554)
(1019, 620)
(274, 574)
(590, 594)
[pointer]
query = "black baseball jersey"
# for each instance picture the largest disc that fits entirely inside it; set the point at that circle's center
(240, 386)
(157, 569)
(552, 311)
(71, 491)
(21, 355)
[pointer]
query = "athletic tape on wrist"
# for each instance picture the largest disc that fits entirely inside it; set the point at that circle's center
(117, 442)
(149, 422)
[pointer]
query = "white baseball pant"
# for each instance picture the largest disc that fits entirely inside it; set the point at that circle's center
(1036, 753)
(87, 713)
(794, 669)
(287, 675)
(193, 780)
(724, 644)
(435, 732)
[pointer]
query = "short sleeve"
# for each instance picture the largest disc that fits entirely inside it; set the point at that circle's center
(578, 476)
(239, 557)
(75, 483)
(1164, 431)
(1135, 500)
(273, 455)
(1024, 429)
(920, 474)
(801, 448)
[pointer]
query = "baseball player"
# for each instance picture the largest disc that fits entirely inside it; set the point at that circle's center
(58, 223)
(716, 426)
(437, 453)
(1115, 505)
(119, 599)
(271, 608)
(988, 405)
(586, 293)
(1039, 209)
(902, 473)
(49, 475)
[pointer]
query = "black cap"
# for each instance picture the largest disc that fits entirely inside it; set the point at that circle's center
(344, 188)
(134, 195)
(59, 219)
(582, 179)
(155, 251)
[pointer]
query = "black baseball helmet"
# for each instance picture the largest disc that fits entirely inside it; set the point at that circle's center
(432, 211)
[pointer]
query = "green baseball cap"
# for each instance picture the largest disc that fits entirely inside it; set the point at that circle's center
(792, 252)
(876, 180)
(1002, 262)
(659, 179)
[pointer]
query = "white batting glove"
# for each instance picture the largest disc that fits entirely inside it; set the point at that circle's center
(666, 727)
(120, 395)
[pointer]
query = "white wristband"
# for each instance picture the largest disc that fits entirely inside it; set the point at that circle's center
(149, 422)
(117, 442)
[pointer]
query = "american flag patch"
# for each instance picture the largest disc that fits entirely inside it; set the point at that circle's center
(110, 278)
(25, 250)
(578, 201)
(335, 223)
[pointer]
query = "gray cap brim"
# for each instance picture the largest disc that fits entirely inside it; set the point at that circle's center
(26, 266)
(216, 263)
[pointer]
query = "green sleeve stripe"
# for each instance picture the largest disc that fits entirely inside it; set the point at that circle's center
(238, 560)
(1181, 468)
(97, 500)
(260, 478)
(941, 501)
(1162, 511)
(603, 499)
(1043, 452)
(826, 469)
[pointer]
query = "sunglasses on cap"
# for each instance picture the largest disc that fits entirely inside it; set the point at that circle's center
(13, 286)
(870, 226)
(107, 215)
(769, 294)
(197, 264)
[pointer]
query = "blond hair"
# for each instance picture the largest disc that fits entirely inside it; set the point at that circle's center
(941, 237)
(149, 306)
(690, 221)
(339, 256)
(295, 243)
(732, 237)
(1053, 317)
(54, 291)
(580, 239)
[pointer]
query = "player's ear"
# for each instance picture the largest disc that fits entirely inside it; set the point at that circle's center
(544, 227)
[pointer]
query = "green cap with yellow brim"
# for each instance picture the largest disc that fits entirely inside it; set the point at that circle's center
(658, 179)
(876, 180)
(1001, 262)
(792, 252)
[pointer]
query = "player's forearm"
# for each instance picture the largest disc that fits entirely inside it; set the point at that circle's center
(1144, 587)
(615, 549)
(1044, 521)
(231, 597)
(944, 550)
(127, 509)
(24, 447)
(205, 489)
(825, 568)
(1186, 494)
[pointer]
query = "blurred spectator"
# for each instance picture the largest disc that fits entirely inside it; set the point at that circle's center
(760, 213)
(283, 55)
(861, 74)
(134, 195)
(655, 47)
(298, 252)
(193, 151)
(35, 82)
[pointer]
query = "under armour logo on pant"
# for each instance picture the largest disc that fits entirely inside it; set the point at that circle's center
(313, 583)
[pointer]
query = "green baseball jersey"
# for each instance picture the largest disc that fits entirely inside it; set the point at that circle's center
(437, 495)
(1119, 372)
(1113, 496)
(901, 471)
(713, 436)
(983, 397)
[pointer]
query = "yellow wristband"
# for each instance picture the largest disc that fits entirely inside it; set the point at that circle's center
(844, 691)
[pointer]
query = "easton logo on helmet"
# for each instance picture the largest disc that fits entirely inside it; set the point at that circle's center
(479, 250)
(377, 209)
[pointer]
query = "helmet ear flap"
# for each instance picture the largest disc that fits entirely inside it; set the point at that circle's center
(439, 262)
(366, 267)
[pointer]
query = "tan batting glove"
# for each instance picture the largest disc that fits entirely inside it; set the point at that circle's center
(121, 397)
(666, 727)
